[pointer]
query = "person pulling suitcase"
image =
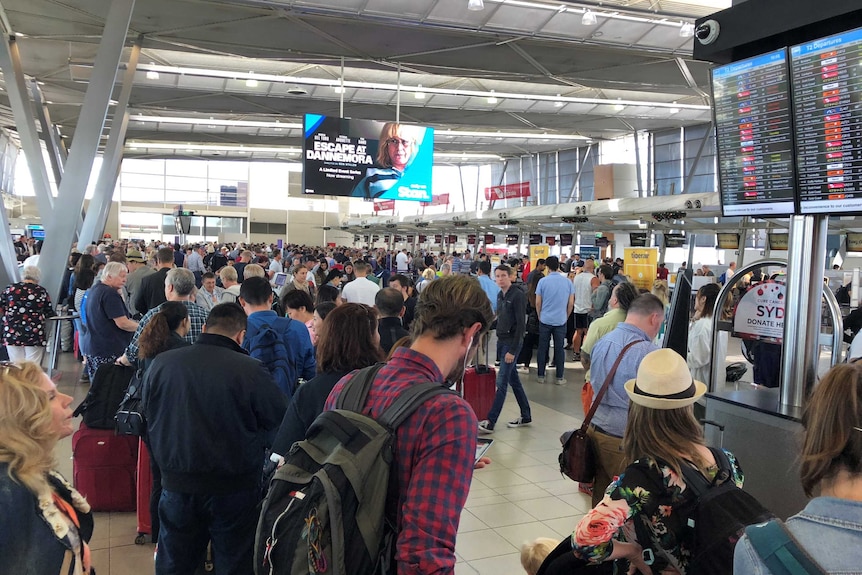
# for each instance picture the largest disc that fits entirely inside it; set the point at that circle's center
(511, 324)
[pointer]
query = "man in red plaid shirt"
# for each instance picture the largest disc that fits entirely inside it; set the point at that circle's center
(436, 445)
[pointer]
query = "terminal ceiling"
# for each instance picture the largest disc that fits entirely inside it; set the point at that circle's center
(558, 80)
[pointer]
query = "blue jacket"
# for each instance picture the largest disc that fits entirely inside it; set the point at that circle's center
(828, 529)
(296, 341)
(28, 543)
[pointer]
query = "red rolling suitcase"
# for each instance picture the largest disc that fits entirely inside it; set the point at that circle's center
(145, 486)
(103, 468)
(478, 388)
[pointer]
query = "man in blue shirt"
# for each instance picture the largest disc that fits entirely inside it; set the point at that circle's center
(642, 324)
(555, 298)
(491, 288)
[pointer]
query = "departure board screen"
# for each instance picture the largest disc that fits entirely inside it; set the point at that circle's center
(754, 134)
(827, 107)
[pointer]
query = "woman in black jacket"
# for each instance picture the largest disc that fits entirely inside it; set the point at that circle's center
(164, 332)
(348, 340)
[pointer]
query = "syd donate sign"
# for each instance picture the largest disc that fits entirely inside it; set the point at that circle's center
(759, 314)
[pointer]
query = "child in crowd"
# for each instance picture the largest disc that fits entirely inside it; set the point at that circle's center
(533, 554)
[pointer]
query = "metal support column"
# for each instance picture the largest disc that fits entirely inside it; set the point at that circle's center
(100, 204)
(638, 166)
(91, 121)
(578, 177)
(806, 260)
(49, 134)
(53, 143)
(740, 253)
(9, 267)
(10, 62)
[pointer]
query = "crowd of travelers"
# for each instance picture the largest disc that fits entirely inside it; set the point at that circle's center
(243, 349)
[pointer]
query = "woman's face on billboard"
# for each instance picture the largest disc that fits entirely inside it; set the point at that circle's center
(399, 148)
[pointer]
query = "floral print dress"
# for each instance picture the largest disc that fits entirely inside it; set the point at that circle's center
(24, 307)
(649, 499)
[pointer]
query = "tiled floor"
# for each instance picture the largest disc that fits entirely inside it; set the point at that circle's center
(519, 497)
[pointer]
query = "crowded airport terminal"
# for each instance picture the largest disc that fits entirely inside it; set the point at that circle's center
(305, 249)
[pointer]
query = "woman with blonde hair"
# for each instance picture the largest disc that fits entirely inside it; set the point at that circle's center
(397, 147)
(45, 524)
(829, 529)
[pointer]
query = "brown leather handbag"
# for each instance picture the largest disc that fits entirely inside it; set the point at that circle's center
(578, 459)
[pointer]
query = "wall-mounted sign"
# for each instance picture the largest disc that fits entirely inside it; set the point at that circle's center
(566, 239)
(512, 239)
(854, 242)
(641, 265)
(535, 239)
(490, 238)
(674, 240)
(551, 240)
(639, 239)
(439, 200)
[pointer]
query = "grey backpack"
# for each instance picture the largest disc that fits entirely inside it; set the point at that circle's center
(332, 506)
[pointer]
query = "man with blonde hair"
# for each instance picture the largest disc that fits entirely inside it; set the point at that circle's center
(231, 286)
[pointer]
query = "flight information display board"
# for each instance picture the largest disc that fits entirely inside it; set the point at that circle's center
(827, 107)
(751, 101)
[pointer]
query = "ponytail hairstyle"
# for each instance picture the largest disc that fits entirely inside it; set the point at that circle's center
(154, 337)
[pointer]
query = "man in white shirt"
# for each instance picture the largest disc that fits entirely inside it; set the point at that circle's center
(583, 283)
(275, 266)
(360, 290)
(401, 262)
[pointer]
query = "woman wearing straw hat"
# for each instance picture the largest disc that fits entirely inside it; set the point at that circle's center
(661, 436)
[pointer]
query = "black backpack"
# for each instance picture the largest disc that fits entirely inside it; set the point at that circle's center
(130, 419)
(718, 516)
(332, 506)
(106, 393)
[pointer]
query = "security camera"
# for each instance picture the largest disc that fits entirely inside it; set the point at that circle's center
(707, 33)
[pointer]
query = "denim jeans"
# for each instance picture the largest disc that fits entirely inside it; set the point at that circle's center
(558, 332)
(508, 375)
(189, 521)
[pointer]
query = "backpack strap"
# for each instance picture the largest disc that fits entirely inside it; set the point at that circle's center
(699, 484)
(409, 401)
(355, 391)
(780, 550)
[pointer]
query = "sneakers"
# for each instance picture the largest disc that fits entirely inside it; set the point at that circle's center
(561, 381)
(524, 369)
(576, 356)
(485, 427)
(540, 379)
(520, 422)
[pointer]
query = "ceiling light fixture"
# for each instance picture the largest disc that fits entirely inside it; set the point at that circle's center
(492, 99)
(686, 30)
(419, 95)
(619, 107)
(213, 122)
(475, 5)
(674, 110)
(589, 18)
(152, 74)
(251, 82)
(558, 103)
(337, 89)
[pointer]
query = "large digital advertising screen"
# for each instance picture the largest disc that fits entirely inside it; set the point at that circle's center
(367, 159)
(754, 136)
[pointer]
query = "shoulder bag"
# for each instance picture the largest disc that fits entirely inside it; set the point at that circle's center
(578, 459)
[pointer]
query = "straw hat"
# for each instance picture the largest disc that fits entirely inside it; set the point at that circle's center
(664, 382)
(135, 256)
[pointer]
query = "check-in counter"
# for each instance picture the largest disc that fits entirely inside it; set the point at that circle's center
(765, 437)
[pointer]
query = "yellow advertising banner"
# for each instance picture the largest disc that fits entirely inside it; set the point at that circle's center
(538, 253)
(641, 265)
